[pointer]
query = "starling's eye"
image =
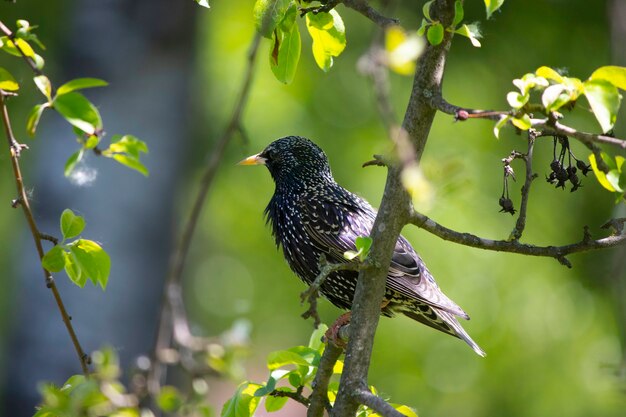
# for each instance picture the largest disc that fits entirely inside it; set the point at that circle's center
(270, 154)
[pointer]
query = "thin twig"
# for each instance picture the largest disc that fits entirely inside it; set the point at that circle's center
(513, 246)
(14, 148)
(312, 293)
(382, 407)
(173, 318)
(549, 125)
(296, 396)
(520, 224)
(319, 397)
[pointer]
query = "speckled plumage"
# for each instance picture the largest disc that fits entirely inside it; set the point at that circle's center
(310, 214)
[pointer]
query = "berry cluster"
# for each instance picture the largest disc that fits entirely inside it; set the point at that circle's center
(561, 173)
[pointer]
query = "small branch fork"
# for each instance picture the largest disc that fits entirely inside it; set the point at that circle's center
(22, 201)
(4, 29)
(549, 125)
(360, 6)
(312, 293)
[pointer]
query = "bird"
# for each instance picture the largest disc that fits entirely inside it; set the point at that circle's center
(310, 216)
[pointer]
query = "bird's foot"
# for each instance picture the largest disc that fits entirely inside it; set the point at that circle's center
(334, 334)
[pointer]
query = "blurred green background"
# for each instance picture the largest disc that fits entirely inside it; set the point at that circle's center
(554, 336)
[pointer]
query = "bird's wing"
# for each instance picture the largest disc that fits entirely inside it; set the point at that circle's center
(333, 223)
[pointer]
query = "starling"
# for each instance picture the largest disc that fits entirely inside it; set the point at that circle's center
(310, 215)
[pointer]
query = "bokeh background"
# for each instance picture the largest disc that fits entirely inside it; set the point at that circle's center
(554, 336)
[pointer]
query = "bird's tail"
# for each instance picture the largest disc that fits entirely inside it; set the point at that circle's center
(445, 322)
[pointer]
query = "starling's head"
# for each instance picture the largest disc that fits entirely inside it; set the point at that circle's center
(293, 161)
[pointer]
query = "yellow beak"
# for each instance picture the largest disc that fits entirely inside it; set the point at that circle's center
(253, 160)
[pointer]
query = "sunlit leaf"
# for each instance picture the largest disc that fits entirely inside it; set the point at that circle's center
(329, 37)
(600, 175)
(613, 74)
(243, 403)
(522, 123)
(71, 224)
(554, 97)
(54, 259)
(282, 358)
(274, 403)
(503, 121)
(363, 245)
(285, 53)
(93, 261)
(7, 82)
(604, 100)
(34, 116)
(79, 84)
(268, 13)
(435, 34)
(72, 161)
(458, 13)
(492, 6)
(74, 271)
(315, 341)
(78, 111)
(517, 100)
(14, 47)
(426, 9)
(43, 84)
(472, 32)
(549, 73)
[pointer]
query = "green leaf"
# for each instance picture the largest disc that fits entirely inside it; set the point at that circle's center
(600, 175)
(472, 32)
(435, 34)
(54, 259)
(73, 270)
(268, 13)
(458, 13)
(492, 6)
(522, 123)
(71, 224)
(405, 410)
(402, 50)
(78, 111)
(503, 121)
(128, 144)
(79, 84)
(285, 53)
(613, 178)
(34, 116)
(274, 403)
(426, 9)
(11, 47)
(613, 74)
(363, 245)
(7, 82)
(203, 3)
(315, 342)
(72, 161)
(517, 100)
(43, 84)
(282, 358)
(554, 97)
(295, 379)
(550, 74)
(169, 399)
(423, 27)
(243, 403)
(329, 37)
(132, 163)
(604, 100)
(92, 260)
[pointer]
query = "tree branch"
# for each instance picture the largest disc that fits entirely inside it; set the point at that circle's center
(312, 293)
(382, 407)
(15, 148)
(513, 246)
(173, 319)
(393, 213)
(319, 397)
(296, 396)
(361, 6)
